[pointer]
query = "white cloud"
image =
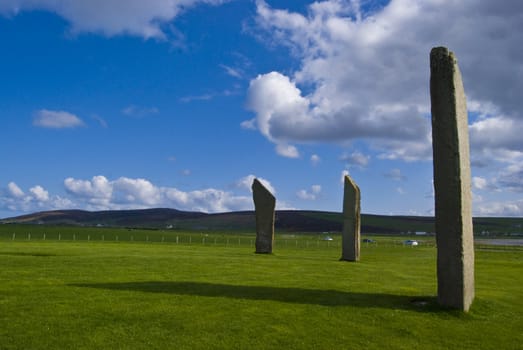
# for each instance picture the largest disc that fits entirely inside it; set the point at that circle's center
(249, 124)
(39, 193)
(311, 194)
(14, 191)
(14, 199)
(395, 174)
(506, 208)
(479, 183)
(356, 159)
(140, 191)
(97, 187)
(275, 98)
(365, 75)
(315, 160)
(343, 174)
(208, 200)
(233, 72)
(139, 112)
(56, 119)
(246, 183)
(111, 17)
(288, 151)
(204, 97)
(99, 193)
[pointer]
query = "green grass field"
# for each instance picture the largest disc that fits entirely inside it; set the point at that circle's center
(123, 294)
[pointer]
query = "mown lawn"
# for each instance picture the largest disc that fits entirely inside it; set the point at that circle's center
(138, 295)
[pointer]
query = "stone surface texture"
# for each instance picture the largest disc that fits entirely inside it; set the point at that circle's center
(350, 239)
(452, 184)
(264, 204)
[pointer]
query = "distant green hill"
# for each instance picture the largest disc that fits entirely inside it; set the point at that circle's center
(286, 220)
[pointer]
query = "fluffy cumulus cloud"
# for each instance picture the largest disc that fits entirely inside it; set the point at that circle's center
(364, 75)
(505, 208)
(246, 183)
(479, 183)
(311, 194)
(45, 118)
(356, 158)
(14, 191)
(288, 151)
(13, 198)
(39, 193)
(111, 17)
(100, 193)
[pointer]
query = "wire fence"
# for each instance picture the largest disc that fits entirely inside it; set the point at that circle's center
(185, 239)
(245, 240)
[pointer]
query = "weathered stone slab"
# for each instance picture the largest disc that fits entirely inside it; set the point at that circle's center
(264, 205)
(350, 239)
(453, 204)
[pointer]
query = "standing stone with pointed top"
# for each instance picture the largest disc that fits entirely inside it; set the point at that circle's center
(264, 204)
(453, 205)
(350, 239)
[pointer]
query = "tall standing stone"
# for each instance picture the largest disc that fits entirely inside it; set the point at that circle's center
(264, 204)
(453, 205)
(350, 239)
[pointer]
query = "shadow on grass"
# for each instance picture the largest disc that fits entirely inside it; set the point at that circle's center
(280, 294)
(27, 254)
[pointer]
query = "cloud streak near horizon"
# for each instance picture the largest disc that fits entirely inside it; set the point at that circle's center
(100, 193)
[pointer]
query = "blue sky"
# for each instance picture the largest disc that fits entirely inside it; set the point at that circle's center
(181, 103)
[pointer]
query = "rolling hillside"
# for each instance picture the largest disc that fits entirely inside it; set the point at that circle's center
(286, 220)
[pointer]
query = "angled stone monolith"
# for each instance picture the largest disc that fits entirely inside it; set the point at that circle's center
(453, 204)
(264, 204)
(350, 238)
